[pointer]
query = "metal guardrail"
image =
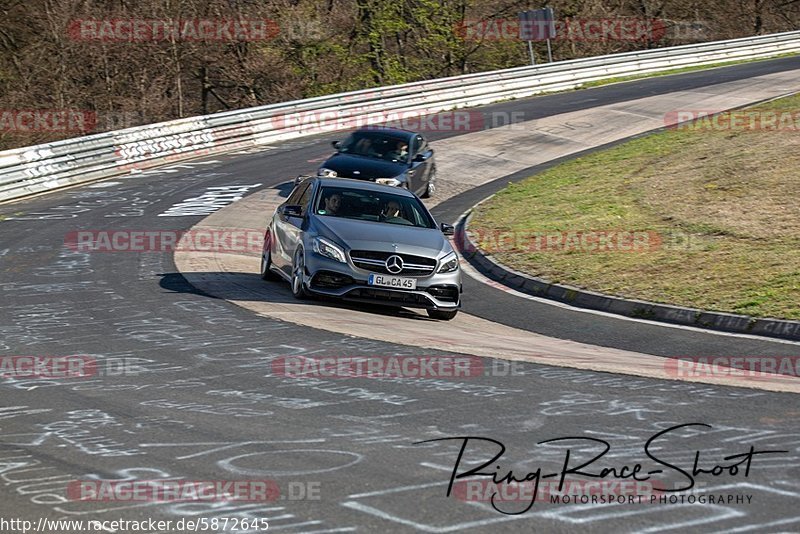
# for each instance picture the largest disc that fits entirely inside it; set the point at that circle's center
(31, 170)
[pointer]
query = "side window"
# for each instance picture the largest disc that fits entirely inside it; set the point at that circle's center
(304, 198)
(422, 145)
(294, 198)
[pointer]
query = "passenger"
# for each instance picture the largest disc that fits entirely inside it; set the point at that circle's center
(400, 152)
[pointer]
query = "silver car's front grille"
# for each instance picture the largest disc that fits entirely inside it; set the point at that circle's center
(375, 261)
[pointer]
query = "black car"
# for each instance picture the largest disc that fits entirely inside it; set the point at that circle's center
(388, 156)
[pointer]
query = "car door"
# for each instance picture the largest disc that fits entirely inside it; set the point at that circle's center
(287, 228)
(420, 170)
(297, 225)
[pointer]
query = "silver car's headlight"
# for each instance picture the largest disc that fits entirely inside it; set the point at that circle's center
(328, 173)
(328, 249)
(388, 181)
(448, 264)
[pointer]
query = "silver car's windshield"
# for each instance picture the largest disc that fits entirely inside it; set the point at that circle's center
(364, 205)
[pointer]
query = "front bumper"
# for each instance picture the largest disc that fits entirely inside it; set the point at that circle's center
(344, 281)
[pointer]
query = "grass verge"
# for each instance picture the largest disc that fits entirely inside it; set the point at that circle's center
(720, 206)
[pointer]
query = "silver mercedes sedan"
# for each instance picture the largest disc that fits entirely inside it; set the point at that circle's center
(362, 241)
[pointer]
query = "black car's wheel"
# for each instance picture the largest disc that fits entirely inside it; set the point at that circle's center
(443, 315)
(266, 260)
(431, 187)
(298, 273)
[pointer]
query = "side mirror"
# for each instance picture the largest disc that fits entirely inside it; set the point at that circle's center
(448, 229)
(420, 157)
(335, 144)
(293, 210)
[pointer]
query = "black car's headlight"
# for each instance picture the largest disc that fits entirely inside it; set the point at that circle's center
(448, 264)
(326, 248)
(388, 181)
(328, 173)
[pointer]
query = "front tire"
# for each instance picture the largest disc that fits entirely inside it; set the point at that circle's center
(442, 315)
(430, 188)
(266, 260)
(298, 274)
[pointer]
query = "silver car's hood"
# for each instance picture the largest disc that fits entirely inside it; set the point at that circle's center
(367, 235)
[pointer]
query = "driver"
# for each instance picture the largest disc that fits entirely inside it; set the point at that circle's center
(364, 147)
(331, 204)
(392, 209)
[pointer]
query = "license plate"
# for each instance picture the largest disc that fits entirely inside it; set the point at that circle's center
(397, 282)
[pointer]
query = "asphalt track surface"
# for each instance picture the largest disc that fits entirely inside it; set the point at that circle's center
(187, 387)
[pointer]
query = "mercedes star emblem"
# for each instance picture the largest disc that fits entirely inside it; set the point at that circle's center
(394, 264)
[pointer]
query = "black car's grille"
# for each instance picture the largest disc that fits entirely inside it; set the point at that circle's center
(375, 261)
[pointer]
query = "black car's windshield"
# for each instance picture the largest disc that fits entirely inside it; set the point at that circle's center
(365, 205)
(375, 144)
